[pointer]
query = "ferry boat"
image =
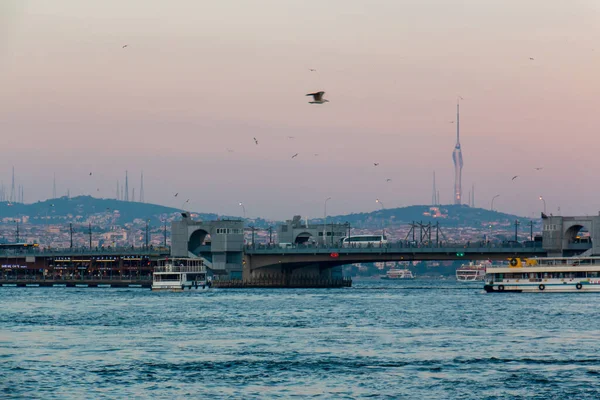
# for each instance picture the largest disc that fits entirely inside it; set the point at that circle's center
(471, 272)
(545, 274)
(398, 274)
(179, 274)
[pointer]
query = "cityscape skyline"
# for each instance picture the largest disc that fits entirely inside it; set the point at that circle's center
(127, 109)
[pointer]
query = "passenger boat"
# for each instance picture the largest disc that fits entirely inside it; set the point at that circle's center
(471, 272)
(179, 274)
(547, 274)
(398, 274)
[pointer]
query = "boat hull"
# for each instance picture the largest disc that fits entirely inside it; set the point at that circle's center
(542, 287)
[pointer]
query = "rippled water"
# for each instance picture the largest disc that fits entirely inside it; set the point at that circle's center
(383, 339)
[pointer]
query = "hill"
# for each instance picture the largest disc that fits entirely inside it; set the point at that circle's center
(447, 215)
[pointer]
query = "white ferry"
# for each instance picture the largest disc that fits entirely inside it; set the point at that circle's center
(471, 272)
(179, 274)
(398, 274)
(547, 274)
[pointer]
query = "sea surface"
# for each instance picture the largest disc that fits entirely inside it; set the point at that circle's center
(379, 339)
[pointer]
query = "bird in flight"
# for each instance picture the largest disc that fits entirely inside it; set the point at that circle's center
(316, 154)
(388, 180)
(256, 141)
(291, 137)
(451, 122)
(539, 168)
(90, 174)
(229, 150)
(317, 98)
(295, 155)
(515, 177)
(375, 163)
(124, 46)
(176, 194)
(312, 70)
(531, 58)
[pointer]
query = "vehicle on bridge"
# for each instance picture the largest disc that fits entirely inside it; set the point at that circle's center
(545, 274)
(364, 241)
(179, 274)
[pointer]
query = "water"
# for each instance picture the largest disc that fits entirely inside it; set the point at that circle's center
(384, 339)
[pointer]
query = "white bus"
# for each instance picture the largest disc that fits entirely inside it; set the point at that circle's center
(364, 241)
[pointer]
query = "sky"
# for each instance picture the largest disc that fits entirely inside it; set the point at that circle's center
(199, 80)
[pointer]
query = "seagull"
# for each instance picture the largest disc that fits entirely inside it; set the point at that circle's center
(388, 180)
(317, 98)
(312, 70)
(90, 174)
(176, 194)
(316, 154)
(451, 122)
(124, 46)
(375, 163)
(295, 155)
(515, 177)
(229, 151)
(291, 137)
(531, 58)
(539, 168)
(256, 141)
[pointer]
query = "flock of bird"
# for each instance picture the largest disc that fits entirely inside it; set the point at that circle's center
(317, 98)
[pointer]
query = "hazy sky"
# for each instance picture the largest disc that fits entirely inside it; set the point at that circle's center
(200, 77)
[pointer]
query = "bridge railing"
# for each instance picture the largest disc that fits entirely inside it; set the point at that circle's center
(397, 246)
(100, 251)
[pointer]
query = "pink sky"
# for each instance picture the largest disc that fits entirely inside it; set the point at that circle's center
(199, 77)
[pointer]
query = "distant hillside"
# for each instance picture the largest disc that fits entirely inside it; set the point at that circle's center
(446, 215)
(80, 208)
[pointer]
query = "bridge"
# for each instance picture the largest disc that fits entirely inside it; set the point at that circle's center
(303, 262)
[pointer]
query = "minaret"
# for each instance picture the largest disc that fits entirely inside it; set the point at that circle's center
(434, 194)
(458, 160)
(473, 196)
(126, 188)
(142, 189)
(118, 191)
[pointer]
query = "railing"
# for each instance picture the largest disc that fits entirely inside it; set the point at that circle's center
(402, 247)
(41, 278)
(116, 251)
(180, 268)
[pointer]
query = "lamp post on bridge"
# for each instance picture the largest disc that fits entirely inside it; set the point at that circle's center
(325, 221)
(243, 209)
(542, 199)
(492, 205)
(382, 219)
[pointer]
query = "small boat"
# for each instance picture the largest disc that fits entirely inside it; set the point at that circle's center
(471, 272)
(179, 274)
(398, 274)
(545, 274)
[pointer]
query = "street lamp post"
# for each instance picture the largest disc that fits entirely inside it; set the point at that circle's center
(243, 209)
(165, 233)
(492, 205)
(383, 218)
(71, 233)
(325, 221)
(542, 199)
(147, 235)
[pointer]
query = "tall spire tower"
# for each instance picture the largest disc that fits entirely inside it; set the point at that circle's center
(458, 160)
(12, 188)
(126, 188)
(142, 189)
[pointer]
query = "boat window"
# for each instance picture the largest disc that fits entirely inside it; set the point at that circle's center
(166, 277)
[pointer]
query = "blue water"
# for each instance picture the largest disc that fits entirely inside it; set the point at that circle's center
(379, 339)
